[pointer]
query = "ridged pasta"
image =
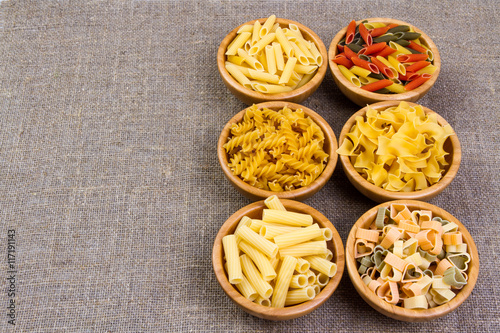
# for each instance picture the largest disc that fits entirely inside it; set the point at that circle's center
(276, 150)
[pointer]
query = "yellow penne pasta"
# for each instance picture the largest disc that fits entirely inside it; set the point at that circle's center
(287, 71)
(251, 61)
(238, 75)
(261, 44)
(266, 27)
(285, 44)
(278, 54)
(356, 70)
(349, 75)
(238, 43)
(270, 59)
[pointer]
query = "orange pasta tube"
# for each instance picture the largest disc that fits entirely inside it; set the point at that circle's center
(386, 51)
(377, 85)
(383, 68)
(374, 48)
(416, 47)
(375, 32)
(418, 81)
(351, 31)
(412, 57)
(341, 59)
(417, 66)
(365, 64)
(365, 34)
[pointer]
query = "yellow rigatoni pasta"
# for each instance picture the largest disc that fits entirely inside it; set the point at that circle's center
(283, 281)
(234, 272)
(273, 202)
(265, 246)
(260, 260)
(263, 288)
(305, 249)
(298, 281)
(322, 265)
(299, 236)
(296, 296)
(287, 218)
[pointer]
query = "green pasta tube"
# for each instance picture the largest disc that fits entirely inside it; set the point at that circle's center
(355, 47)
(399, 28)
(409, 35)
(385, 38)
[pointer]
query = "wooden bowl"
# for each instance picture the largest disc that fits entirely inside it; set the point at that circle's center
(362, 97)
(378, 194)
(397, 312)
(249, 96)
(300, 194)
(254, 210)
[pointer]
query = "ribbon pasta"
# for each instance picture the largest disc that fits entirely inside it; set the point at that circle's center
(399, 149)
(412, 270)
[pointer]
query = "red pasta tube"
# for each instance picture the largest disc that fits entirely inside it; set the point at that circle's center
(417, 82)
(412, 57)
(383, 68)
(349, 53)
(417, 66)
(386, 51)
(365, 34)
(416, 47)
(375, 32)
(351, 31)
(341, 59)
(409, 76)
(377, 85)
(340, 48)
(365, 64)
(374, 48)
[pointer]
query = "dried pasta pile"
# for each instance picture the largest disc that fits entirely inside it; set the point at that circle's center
(411, 258)
(272, 59)
(399, 149)
(280, 260)
(276, 150)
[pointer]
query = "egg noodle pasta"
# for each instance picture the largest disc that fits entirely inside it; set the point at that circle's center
(411, 269)
(399, 149)
(279, 279)
(273, 50)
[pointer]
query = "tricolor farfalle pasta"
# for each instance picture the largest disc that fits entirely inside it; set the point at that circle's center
(296, 273)
(412, 268)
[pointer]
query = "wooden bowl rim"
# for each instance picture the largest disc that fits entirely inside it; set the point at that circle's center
(397, 312)
(289, 312)
(379, 194)
(410, 95)
(296, 194)
(258, 96)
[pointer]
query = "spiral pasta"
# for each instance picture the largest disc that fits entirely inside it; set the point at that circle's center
(276, 150)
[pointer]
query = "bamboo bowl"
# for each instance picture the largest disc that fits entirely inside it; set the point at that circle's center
(249, 96)
(397, 312)
(362, 97)
(254, 210)
(300, 194)
(378, 194)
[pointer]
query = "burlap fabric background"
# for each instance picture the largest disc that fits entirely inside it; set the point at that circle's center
(109, 118)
